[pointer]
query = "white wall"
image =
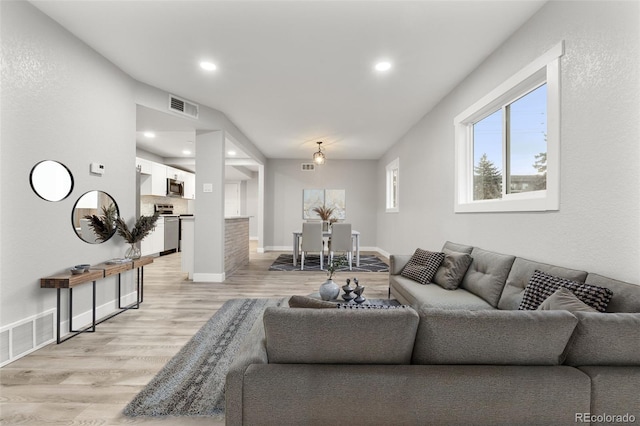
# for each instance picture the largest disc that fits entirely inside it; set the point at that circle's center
(597, 228)
(284, 183)
(60, 101)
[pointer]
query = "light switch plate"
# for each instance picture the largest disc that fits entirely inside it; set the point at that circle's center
(207, 187)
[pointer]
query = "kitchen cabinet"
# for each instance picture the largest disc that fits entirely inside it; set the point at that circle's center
(154, 242)
(189, 186)
(173, 173)
(156, 182)
(144, 166)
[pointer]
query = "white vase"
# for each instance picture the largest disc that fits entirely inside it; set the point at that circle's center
(329, 290)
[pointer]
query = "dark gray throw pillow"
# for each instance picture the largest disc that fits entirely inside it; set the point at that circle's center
(422, 266)
(452, 270)
(542, 285)
(309, 302)
(564, 300)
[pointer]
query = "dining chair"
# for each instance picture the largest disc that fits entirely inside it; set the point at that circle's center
(341, 240)
(312, 241)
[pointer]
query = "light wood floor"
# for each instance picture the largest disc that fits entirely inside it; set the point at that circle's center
(89, 379)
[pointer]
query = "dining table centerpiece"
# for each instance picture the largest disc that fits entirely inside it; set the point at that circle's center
(325, 214)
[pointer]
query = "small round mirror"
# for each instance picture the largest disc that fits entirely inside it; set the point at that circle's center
(94, 217)
(51, 181)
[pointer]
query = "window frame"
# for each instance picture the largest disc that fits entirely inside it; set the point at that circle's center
(392, 205)
(545, 69)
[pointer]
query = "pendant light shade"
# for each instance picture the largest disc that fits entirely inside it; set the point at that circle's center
(318, 157)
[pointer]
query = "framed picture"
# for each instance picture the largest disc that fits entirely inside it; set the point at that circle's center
(312, 198)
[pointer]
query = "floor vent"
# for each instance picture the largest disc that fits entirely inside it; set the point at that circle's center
(183, 107)
(23, 337)
(308, 167)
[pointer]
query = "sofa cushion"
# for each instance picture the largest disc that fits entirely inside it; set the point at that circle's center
(422, 266)
(605, 339)
(626, 296)
(521, 273)
(564, 300)
(452, 269)
(309, 302)
(487, 274)
(339, 336)
(614, 390)
(543, 285)
(433, 296)
(492, 337)
(460, 248)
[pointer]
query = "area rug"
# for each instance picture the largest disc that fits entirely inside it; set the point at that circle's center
(192, 382)
(368, 263)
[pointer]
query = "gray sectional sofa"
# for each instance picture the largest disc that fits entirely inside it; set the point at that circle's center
(458, 357)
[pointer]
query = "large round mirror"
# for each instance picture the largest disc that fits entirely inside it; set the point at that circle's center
(52, 181)
(94, 217)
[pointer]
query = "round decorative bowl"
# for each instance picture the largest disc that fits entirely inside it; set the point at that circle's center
(84, 267)
(76, 271)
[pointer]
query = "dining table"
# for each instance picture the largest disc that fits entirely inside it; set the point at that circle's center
(355, 235)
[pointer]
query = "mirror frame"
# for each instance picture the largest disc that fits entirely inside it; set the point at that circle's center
(97, 212)
(40, 191)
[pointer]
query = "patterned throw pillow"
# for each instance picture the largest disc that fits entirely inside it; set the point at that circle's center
(422, 266)
(542, 285)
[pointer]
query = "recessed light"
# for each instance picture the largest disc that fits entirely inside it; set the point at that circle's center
(383, 66)
(186, 152)
(149, 135)
(209, 66)
(231, 152)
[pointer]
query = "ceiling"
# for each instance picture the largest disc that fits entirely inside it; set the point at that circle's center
(293, 73)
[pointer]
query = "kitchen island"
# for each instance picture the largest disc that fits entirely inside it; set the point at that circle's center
(236, 243)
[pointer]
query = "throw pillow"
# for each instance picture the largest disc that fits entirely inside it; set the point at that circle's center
(422, 266)
(309, 302)
(564, 300)
(543, 285)
(454, 266)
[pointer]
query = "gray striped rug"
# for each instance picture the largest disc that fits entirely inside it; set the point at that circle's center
(192, 382)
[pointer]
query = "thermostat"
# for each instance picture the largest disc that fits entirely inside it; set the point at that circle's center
(97, 168)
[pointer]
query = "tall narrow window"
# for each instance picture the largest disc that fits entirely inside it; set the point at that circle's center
(393, 170)
(508, 143)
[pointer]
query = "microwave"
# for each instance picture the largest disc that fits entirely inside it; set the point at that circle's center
(175, 188)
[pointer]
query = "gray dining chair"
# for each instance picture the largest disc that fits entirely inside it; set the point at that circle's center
(312, 241)
(341, 241)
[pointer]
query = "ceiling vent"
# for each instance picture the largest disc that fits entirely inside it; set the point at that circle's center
(183, 107)
(308, 167)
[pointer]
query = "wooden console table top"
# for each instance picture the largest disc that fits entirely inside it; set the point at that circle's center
(96, 272)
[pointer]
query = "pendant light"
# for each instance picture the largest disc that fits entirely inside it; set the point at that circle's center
(318, 157)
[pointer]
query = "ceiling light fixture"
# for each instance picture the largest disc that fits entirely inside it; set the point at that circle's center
(186, 152)
(318, 157)
(383, 66)
(149, 135)
(209, 66)
(231, 153)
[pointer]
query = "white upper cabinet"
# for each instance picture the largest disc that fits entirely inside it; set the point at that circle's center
(189, 186)
(143, 165)
(153, 179)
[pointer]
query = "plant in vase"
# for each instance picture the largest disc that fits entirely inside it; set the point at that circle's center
(143, 226)
(329, 290)
(325, 214)
(103, 226)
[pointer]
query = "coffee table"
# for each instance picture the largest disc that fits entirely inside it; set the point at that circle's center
(373, 302)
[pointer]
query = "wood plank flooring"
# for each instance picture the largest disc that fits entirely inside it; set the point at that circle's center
(89, 379)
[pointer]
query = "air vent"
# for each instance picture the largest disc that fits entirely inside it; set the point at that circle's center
(308, 167)
(183, 107)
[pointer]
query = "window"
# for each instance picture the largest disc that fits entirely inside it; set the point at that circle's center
(392, 185)
(507, 144)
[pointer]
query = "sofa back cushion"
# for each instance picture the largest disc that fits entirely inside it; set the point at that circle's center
(492, 337)
(605, 339)
(487, 274)
(340, 336)
(520, 274)
(626, 296)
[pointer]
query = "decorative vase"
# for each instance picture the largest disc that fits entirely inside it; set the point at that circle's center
(329, 290)
(325, 226)
(133, 252)
(358, 291)
(347, 296)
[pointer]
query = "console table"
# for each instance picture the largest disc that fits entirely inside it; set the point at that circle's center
(96, 272)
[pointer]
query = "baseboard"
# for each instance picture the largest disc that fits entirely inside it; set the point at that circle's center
(260, 250)
(203, 277)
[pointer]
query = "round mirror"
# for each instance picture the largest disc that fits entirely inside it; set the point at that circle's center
(94, 217)
(52, 181)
